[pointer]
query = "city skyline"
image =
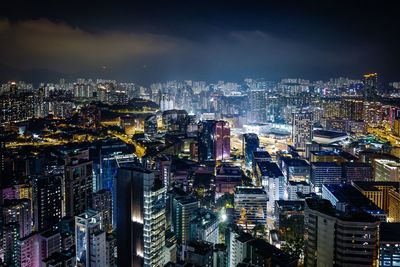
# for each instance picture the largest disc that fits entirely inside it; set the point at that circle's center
(200, 134)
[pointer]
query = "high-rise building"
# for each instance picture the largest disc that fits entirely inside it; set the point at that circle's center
(356, 171)
(204, 226)
(150, 125)
(339, 239)
(352, 109)
(47, 201)
(386, 170)
(302, 126)
(77, 183)
(140, 217)
(389, 244)
(110, 164)
(28, 251)
(18, 211)
(348, 199)
(370, 86)
(250, 144)
(214, 141)
(90, 239)
(272, 179)
(386, 195)
(296, 170)
(258, 105)
(9, 244)
(325, 173)
(220, 255)
(199, 253)
(111, 250)
(102, 201)
(49, 242)
(182, 209)
(296, 189)
(175, 121)
(250, 206)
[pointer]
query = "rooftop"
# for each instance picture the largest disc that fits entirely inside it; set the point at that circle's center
(186, 199)
(294, 183)
(280, 257)
(261, 155)
(200, 247)
(250, 190)
(374, 185)
(389, 232)
(295, 162)
(269, 169)
(290, 204)
(325, 164)
(325, 206)
(346, 193)
(229, 170)
(203, 218)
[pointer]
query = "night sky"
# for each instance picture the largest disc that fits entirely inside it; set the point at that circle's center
(232, 40)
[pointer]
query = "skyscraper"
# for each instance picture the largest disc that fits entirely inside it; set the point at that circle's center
(182, 209)
(250, 144)
(214, 140)
(18, 211)
(141, 217)
(325, 173)
(339, 239)
(272, 179)
(90, 239)
(77, 183)
(258, 105)
(102, 201)
(250, 206)
(204, 226)
(370, 86)
(302, 126)
(47, 201)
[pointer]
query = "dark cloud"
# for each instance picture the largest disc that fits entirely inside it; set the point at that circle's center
(219, 40)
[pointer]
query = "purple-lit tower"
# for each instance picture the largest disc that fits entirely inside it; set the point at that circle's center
(214, 140)
(222, 140)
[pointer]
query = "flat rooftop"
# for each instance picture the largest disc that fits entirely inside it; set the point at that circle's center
(374, 185)
(250, 190)
(389, 232)
(326, 164)
(346, 193)
(325, 206)
(261, 155)
(295, 162)
(270, 169)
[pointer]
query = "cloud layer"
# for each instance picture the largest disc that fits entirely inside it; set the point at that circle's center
(44, 44)
(57, 46)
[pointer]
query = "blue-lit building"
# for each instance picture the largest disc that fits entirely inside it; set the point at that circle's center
(107, 158)
(250, 144)
(348, 199)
